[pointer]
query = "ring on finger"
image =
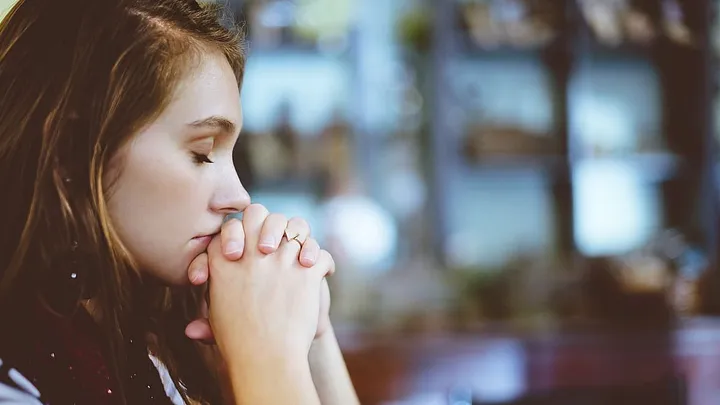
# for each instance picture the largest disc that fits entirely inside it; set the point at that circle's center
(295, 238)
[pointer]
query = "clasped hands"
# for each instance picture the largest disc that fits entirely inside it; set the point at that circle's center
(266, 283)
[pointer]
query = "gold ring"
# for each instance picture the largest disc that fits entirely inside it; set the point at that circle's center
(295, 238)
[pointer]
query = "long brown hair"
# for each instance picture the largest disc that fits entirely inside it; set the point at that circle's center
(77, 79)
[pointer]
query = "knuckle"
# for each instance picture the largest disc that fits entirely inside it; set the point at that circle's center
(256, 210)
(299, 223)
(277, 218)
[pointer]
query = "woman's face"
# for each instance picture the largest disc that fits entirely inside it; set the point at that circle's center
(176, 179)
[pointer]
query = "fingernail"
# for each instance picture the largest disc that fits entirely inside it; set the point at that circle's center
(194, 276)
(308, 257)
(232, 248)
(268, 242)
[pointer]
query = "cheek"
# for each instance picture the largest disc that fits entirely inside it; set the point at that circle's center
(158, 181)
(155, 205)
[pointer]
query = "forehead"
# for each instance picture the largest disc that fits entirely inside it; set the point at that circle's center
(208, 90)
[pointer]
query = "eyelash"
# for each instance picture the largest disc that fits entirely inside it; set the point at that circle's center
(201, 159)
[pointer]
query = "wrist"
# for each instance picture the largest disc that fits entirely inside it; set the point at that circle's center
(261, 361)
(322, 349)
(327, 336)
(272, 379)
(329, 372)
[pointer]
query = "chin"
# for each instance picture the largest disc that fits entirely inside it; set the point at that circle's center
(180, 281)
(171, 277)
(177, 279)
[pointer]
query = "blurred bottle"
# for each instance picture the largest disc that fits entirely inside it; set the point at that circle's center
(515, 23)
(266, 20)
(616, 22)
(275, 154)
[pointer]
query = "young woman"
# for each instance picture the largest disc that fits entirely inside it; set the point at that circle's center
(126, 276)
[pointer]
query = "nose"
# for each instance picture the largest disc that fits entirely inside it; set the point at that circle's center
(230, 196)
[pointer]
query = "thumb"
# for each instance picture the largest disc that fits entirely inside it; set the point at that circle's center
(200, 330)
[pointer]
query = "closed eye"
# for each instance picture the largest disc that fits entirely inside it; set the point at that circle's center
(200, 158)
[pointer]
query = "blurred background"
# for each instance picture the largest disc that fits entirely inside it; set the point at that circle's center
(521, 195)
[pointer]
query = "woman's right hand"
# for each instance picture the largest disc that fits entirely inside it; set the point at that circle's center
(264, 308)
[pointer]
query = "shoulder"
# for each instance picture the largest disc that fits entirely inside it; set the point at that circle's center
(15, 388)
(19, 366)
(32, 366)
(17, 343)
(171, 390)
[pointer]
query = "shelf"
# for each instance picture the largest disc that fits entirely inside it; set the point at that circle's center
(287, 50)
(554, 166)
(518, 31)
(653, 166)
(303, 47)
(630, 50)
(577, 66)
(466, 47)
(623, 53)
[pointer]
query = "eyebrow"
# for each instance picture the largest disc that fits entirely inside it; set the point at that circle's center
(214, 122)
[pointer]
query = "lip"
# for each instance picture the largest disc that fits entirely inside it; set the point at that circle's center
(202, 242)
(203, 238)
(211, 234)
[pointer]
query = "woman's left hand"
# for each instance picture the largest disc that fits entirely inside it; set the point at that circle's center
(233, 242)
